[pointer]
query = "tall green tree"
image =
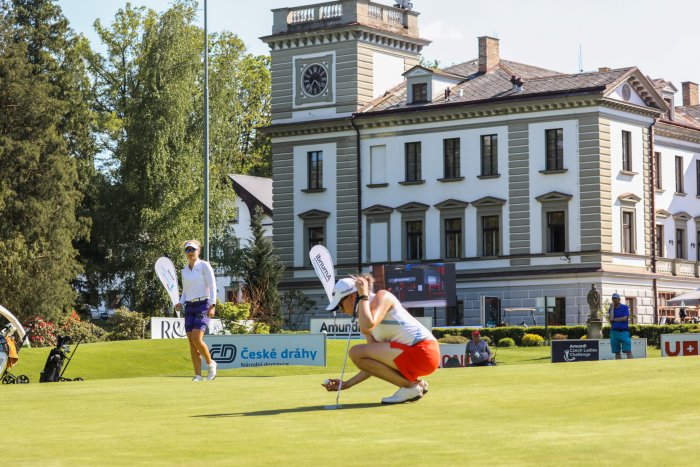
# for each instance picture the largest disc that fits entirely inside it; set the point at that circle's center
(39, 177)
(148, 90)
(261, 272)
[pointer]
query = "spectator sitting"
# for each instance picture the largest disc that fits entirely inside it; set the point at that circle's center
(478, 350)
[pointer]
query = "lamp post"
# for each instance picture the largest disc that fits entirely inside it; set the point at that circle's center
(206, 136)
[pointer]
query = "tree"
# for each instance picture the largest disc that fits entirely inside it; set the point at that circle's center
(296, 305)
(148, 92)
(262, 271)
(39, 186)
(56, 52)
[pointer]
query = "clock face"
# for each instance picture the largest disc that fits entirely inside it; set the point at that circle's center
(315, 79)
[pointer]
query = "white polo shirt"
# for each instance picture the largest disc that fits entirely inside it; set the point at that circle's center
(199, 282)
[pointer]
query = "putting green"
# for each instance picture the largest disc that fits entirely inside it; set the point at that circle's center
(612, 412)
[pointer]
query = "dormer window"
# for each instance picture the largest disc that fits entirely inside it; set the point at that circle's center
(420, 93)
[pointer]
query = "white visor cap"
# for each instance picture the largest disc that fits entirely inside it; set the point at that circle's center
(342, 289)
(192, 245)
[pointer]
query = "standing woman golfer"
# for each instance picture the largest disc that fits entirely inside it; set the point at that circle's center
(399, 348)
(199, 299)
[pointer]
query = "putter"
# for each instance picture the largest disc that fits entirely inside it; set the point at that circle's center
(342, 373)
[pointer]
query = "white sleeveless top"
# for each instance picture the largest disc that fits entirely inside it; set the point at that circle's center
(399, 326)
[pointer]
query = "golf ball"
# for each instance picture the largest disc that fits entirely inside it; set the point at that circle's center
(326, 381)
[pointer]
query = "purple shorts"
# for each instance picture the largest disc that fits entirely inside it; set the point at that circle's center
(196, 316)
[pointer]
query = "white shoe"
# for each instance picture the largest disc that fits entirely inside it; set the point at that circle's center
(424, 386)
(410, 394)
(197, 379)
(211, 374)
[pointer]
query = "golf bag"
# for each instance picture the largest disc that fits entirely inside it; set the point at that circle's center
(6, 342)
(53, 368)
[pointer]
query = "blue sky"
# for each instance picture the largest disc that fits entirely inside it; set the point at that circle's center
(661, 38)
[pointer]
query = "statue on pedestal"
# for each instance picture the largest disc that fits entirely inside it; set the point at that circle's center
(595, 322)
(594, 302)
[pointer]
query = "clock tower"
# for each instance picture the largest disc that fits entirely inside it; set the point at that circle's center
(329, 59)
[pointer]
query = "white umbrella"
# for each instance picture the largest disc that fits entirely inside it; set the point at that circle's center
(686, 299)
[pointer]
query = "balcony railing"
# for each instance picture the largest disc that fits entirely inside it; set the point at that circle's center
(322, 11)
(678, 267)
(664, 266)
(684, 268)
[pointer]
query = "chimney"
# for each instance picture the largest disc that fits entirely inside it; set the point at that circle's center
(690, 93)
(488, 54)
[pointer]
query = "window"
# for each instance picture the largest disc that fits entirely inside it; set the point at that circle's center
(660, 241)
(657, 171)
(555, 148)
(377, 165)
(556, 231)
(556, 311)
(697, 177)
(453, 238)
(315, 236)
(420, 93)
(313, 230)
(628, 232)
(414, 240)
(626, 151)
(489, 155)
(491, 235)
(665, 311)
(632, 305)
(451, 151)
(315, 165)
(413, 173)
(679, 174)
(680, 243)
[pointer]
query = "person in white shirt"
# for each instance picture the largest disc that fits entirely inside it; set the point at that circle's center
(199, 299)
(399, 348)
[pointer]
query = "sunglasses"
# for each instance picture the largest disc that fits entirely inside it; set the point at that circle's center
(189, 249)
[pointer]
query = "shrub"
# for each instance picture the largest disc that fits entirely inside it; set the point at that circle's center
(260, 328)
(42, 333)
(232, 311)
(559, 337)
(532, 340)
(453, 340)
(127, 325)
(487, 339)
(506, 342)
(80, 331)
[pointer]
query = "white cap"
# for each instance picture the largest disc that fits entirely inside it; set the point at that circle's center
(342, 289)
(192, 245)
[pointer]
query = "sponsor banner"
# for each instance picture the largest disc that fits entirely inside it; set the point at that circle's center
(453, 355)
(581, 350)
(254, 350)
(575, 350)
(340, 327)
(679, 345)
(639, 349)
(174, 328)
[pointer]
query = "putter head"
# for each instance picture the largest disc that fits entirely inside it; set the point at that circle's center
(333, 407)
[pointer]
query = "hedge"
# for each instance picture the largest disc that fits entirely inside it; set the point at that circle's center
(650, 332)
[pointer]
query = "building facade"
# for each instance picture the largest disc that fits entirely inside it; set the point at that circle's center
(536, 184)
(251, 193)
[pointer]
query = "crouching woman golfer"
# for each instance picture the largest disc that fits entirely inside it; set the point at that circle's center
(399, 348)
(199, 299)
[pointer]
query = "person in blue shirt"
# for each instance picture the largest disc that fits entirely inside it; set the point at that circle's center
(619, 315)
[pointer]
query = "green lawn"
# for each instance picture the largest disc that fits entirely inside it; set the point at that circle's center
(137, 405)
